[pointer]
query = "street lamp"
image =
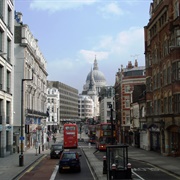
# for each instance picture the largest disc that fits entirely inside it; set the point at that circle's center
(21, 156)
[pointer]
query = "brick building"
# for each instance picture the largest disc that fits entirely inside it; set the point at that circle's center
(162, 52)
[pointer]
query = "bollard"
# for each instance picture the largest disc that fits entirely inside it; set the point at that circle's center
(21, 160)
(129, 171)
(89, 145)
(113, 167)
(39, 150)
(104, 165)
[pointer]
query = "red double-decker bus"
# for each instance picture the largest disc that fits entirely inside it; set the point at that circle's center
(70, 135)
(104, 135)
(92, 133)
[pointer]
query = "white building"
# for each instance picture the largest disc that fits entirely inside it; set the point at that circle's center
(6, 76)
(29, 88)
(53, 97)
(85, 107)
(106, 98)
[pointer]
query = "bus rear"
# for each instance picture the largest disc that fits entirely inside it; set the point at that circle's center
(92, 133)
(70, 135)
(103, 135)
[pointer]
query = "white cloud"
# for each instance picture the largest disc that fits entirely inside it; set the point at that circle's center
(89, 55)
(124, 42)
(57, 5)
(111, 9)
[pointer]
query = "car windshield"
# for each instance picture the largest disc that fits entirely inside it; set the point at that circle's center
(69, 156)
(57, 147)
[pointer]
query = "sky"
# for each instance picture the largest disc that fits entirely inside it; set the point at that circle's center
(71, 33)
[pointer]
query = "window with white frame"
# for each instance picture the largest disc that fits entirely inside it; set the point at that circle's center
(127, 88)
(176, 9)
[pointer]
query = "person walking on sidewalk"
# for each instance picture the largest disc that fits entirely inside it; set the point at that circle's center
(54, 138)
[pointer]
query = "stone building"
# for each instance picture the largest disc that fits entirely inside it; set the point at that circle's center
(162, 52)
(68, 105)
(53, 100)
(6, 76)
(94, 82)
(30, 79)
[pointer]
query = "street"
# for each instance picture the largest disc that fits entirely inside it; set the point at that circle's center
(47, 168)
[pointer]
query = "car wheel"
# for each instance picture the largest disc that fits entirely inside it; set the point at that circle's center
(79, 169)
(60, 170)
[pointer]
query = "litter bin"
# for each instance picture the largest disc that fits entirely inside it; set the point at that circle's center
(21, 160)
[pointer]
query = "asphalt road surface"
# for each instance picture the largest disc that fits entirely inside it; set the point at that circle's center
(84, 174)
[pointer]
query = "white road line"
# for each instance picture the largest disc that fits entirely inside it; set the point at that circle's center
(54, 172)
(137, 175)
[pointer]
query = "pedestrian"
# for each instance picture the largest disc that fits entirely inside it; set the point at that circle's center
(54, 138)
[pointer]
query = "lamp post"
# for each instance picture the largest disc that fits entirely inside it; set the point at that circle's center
(21, 156)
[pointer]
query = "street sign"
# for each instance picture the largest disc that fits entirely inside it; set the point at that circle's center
(21, 138)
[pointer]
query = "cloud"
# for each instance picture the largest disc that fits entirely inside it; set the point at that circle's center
(124, 42)
(111, 9)
(89, 55)
(58, 5)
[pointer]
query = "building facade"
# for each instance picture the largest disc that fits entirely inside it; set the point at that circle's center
(6, 76)
(162, 52)
(30, 79)
(85, 107)
(106, 99)
(52, 121)
(126, 79)
(68, 110)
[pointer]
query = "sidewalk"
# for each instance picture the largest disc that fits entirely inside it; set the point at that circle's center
(9, 166)
(170, 164)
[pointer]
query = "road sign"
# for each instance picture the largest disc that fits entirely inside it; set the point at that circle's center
(21, 138)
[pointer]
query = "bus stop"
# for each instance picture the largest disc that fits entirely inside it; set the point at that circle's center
(117, 162)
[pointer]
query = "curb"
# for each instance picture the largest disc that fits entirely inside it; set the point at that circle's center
(26, 168)
(91, 167)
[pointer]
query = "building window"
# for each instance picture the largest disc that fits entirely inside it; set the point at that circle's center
(127, 89)
(177, 34)
(8, 112)
(1, 77)
(169, 104)
(176, 70)
(127, 103)
(165, 105)
(169, 75)
(127, 119)
(8, 50)
(148, 84)
(9, 18)
(1, 9)
(8, 80)
(177, 103)
(176, 9)
(164, 77)
(1, 106)
(1, 40)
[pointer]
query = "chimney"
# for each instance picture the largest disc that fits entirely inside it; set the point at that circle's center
(136, 63)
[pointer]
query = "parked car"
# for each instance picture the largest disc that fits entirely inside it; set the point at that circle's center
(56, 150)
(69, 161)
